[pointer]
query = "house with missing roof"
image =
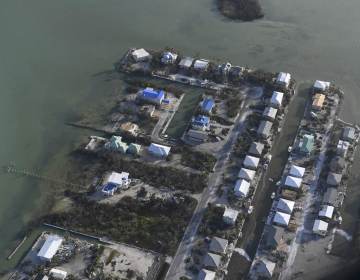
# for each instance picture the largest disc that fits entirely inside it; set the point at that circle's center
(333, 179)
(256, 149)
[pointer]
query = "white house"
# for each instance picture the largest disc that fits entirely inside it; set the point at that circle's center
(281, 219)
(241, 188)
(58, 273)
(320, 227)
(169, 58)
(342, 148)
(159, 150)
(251, 162)
(205, 274)
(186, 62)
(230, 216)
(283, 79)
(201, 64)
(262, 268)
(270, 113)
(140, 55)
(297, 171)
(276, 99)
(321, 85)
(293, 182)
(285, 205)
(121, 179)
(326, 211)
(50, 247)
(246, 174)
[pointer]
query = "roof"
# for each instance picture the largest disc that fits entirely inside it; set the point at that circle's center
(265, 128)
(321, 85)
(343, 145)
(134, 148)
(333, 179)
(218, 245)
(330, 196)
(207, 104)
(205, 274)
(211, 260)
(151, 94)
(326, 211)
(307, 143)
(293, 182)
(117, 178)
(283, 78)
(256, 148)
(270, 112)
(50, 247)
(273, 235)
(186, 62)
(276, 98)
(159, 150)
(230, 214)
(140, 53)
(337, 164)
(197, 134)
(169, 57)
(201, 64)
(201, 120)
(263, 268)
(281, 218)
(318, 101)
(246, 174)
(348, 133)
(251, 162)
(58, 274)
(110, 188)
(241, 187)
(320, 225)
(285, 205)
(297, 171)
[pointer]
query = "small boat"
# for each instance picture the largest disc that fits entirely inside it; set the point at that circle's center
(290, 149)
(251, 209)
(272, 195)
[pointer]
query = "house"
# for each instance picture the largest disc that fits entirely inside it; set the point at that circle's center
(50, 247)
(264, 130)
(293, 182)
(285, 205)
(197, 135)
(321, 85)
(256, 149)
(342, 148)
(186, 62)
(262, 268)
(273, 236)
(251, 162)
(333, 179)
(169, 58)
(326, 212)
(230, 216)
(348, 134)
(109, 189)
(113, 181)
(159, 150)
(269, 113)
(205, 274)
(281, 219)
(201, 122)
(283, 79)
(276, 99)
(211, 261)
(246, 174)
(330, 196)
(201, 64)
(320, 227)
(224, 68)
(58, 273)
(140, 55)
(306, 144)
(296, 171)
(115, 144)
(236, 72)
(207, 105)
(129, 127)
(241, 188)
(149, 95)
(318, 101)
(218, 245)
(133, 149)
(337, 164)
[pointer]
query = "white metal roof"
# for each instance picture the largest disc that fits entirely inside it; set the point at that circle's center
(201, 64)
(281, 218)
(276, 98)
(117, 178)
(321, 85)
(58, 274)
(283, 78)
(320, 226)
(285, 205)
(140, 53)
(343, 145)
(50, 247)
(230, 214)
(159, 150)
(241, 187)
(186, 62)
(205, 274)
(293, 182)
(251, 162)
(270, 112)
(326, 211)
(246, 174)
(297, 171)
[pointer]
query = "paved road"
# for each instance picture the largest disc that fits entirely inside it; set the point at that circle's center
(177, 267)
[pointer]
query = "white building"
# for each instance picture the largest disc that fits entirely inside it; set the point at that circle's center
(251, 162)
(201, 64)
(50, 247)
(120, 179)
(285, 205)
(186, 62)
(326, 212)
(293, 182)
(321, 85)
(262, 268)
(276, 99)
(241, 188)
(297, 171)
(205, 274)
(159, 150)
(140, 55)
(58, 273)
(270, 113)
(320, 227)
(246, 174)
(169, 58)
(230, 216)
(281, 219)
(283, 79)
(342, 148)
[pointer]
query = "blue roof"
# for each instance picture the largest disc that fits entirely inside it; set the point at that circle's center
(201, 120)
(109, 187)
(149, 93)
(207, 104)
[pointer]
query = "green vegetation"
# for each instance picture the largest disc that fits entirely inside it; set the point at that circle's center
(233, 106)
(197, 160)
(153, 224)
(246, 10)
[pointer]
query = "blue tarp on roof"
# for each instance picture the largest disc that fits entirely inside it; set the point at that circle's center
(201, 120)
(151, 94)
(207, 105)
(110, 187)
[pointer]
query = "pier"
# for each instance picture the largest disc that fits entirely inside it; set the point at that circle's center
(16, 248)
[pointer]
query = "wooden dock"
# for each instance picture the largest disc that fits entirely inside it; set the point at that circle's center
(17, 248)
